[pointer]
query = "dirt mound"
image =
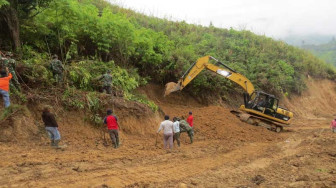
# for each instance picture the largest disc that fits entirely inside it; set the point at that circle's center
(318, 101)
(17, 124)
(211, 122)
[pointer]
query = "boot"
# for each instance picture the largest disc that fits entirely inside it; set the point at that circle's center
(52, 143)
(56, 143)
(57, 146)
(191, 140)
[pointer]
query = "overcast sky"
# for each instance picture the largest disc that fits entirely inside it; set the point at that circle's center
(274, 18)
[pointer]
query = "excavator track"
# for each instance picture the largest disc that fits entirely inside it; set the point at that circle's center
(258, 121)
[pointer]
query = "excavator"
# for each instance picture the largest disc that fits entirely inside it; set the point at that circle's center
(259, 108)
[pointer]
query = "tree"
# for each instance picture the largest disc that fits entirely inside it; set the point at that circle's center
(12, 11)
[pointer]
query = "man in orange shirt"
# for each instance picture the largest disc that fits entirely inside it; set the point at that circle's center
(4, 86)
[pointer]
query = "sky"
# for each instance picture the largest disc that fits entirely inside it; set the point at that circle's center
(274, 18)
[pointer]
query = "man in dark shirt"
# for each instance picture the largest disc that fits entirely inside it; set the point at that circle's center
(51, 126)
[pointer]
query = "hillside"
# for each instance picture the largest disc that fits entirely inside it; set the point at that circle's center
(160, 50)
(143, 53)
(326, 51)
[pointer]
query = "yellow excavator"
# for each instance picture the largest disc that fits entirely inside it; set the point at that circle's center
(259, 108)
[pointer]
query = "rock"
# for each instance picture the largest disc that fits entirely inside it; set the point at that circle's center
(302, 178)
(193, 182)
(77, 169)
(258, 179)
(182, 185)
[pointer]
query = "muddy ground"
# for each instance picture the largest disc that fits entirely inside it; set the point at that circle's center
(226, 153)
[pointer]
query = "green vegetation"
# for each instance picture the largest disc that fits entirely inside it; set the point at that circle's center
(92, 36)
(326, 51)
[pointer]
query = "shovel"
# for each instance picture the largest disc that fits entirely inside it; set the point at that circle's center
(157, 134)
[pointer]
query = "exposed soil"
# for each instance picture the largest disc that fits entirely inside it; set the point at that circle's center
(226, 152)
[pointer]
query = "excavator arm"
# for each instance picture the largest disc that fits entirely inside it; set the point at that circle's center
(204, 63)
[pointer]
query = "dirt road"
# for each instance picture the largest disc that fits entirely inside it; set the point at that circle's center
(302, 156)
(226, 153)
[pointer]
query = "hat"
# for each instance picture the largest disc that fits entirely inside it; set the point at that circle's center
(54, 56)
(108, 71)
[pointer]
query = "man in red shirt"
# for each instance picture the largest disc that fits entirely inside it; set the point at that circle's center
(190, 120)
(333, 125)
(4, 86)
(112, 125)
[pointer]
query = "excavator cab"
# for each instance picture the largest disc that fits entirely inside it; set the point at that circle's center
(262, 102)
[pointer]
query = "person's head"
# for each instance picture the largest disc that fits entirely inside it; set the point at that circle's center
(46, 108)
(109, 112)
(175, 119)
(3, 73)
(108, 71)
(182, 117)
(166, 117)
(190, 113)
(55, 56)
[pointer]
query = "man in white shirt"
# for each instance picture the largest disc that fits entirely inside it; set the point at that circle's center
(168, 131)
(176, 126)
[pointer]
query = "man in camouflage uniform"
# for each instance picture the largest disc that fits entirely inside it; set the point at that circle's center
(185, 127)
(11, 64)
(57, 69)
(107, 81)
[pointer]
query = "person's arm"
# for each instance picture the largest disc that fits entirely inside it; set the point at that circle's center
(105, 120)
(9, 74)
(160, 128)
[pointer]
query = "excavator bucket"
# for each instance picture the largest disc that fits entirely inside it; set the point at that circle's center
(171, 87)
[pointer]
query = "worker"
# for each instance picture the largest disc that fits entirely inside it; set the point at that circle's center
(333, 125)
(185, 127)
(107, 82)
(190, 120)
(11, 64)
(4, 86)
(168, 131)
(111, 121)
(51, 126)
(176, 126)
(57, 69)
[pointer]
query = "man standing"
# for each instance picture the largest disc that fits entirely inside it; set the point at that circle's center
(112, 125)
(167, 127)
(11, 64)
(190, 120)
(107, 81)
(176, 126)
(51, 126)
(185, 127)
(4, 86)
(57, 69)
